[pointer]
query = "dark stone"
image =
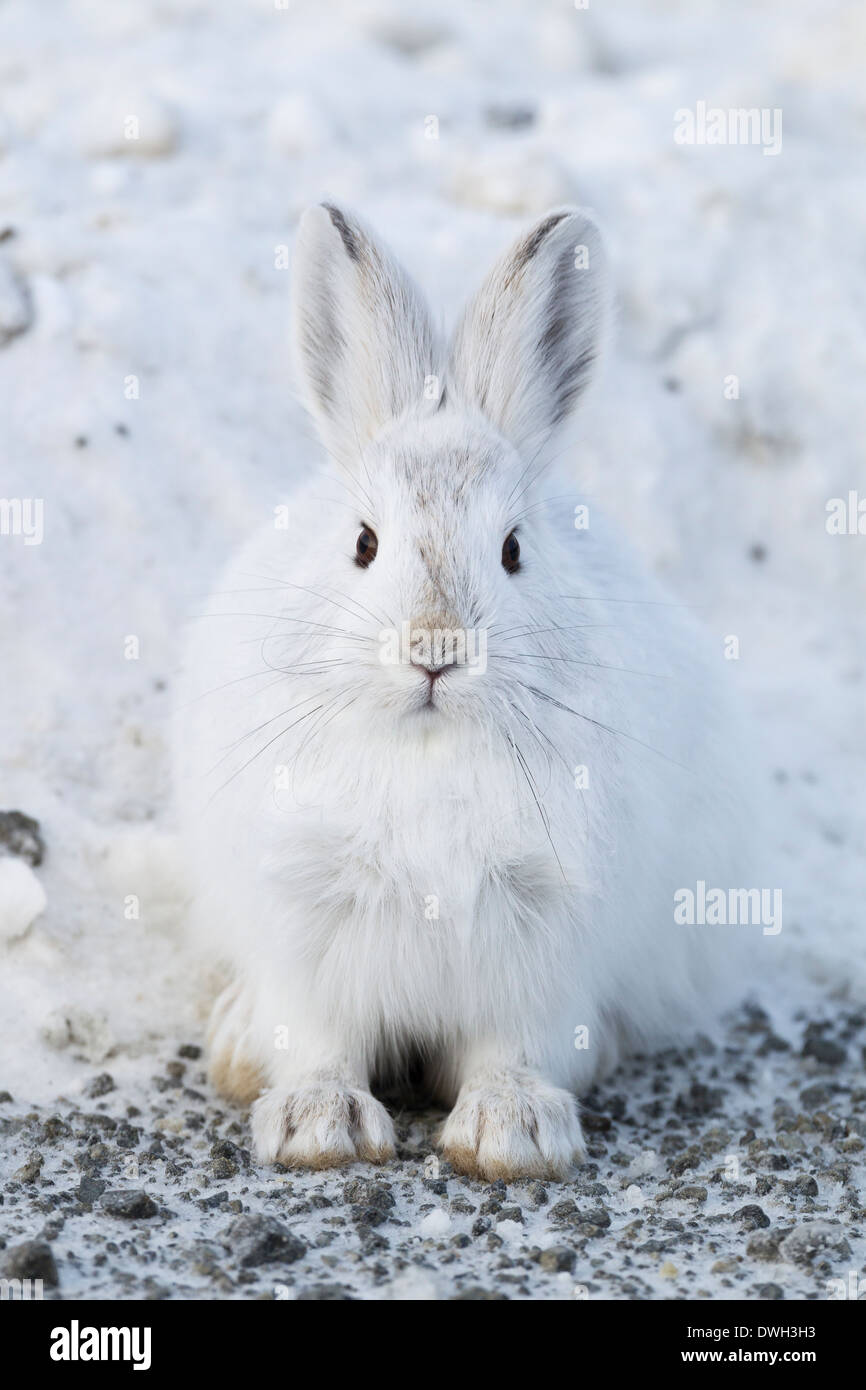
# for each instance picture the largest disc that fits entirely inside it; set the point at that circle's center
(90, 1189)
(826, 1051)
(510, 1214)
(815, 1097)
(595, 1124)
(261, 1240)
(129, 1205)
(20, 835)
(557, 1258)
(752, 1217)
(803, 1186)
(699, 1100)
(33, 1259)
(689, 1158)
(99, 1086)
(365, 1192)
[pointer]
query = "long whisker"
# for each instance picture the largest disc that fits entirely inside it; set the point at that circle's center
(619, 733)
(287, 584)
(511, 633)
(530, 782)
(243, 738)
(575, 661)
(288, 618)
(270, 741)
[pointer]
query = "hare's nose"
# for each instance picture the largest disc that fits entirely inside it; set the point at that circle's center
(431, 672)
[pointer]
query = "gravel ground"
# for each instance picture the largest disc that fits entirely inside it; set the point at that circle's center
(722, 1171)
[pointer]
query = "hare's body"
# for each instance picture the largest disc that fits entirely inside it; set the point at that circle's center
(467, 860)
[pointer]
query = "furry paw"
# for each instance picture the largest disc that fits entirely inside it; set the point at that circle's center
(321, 1124)
(512, 1125)
(232, 1068)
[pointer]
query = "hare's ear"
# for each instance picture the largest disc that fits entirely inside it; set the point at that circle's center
(524, 350)
(362, 335)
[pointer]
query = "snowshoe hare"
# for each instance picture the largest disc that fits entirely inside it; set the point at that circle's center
(444, 755)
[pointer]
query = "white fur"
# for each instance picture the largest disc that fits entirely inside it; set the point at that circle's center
(386, 879)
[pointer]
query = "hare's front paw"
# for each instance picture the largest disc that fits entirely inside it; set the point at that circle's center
(233, 1068)
(510, 1124)
(321, 1124)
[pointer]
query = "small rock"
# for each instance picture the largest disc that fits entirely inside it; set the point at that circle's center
(21, 836)
(129, 1204)
(594, 1123)
(815, 1097)
(33, 1259)
(824, 1050)
(563, 1211)
(31, 1170)
(223, 1167)
(802, 1244)
(90, 1189)
(699, 1100)
(753, 1217)
(803, 1186)
(99, 1086)
(689, 1158)
(461, 1206)
(764, 1246)
(259, 1240)
(365, 1192)
(16, 316)
(510, 1214)
(557, 1258)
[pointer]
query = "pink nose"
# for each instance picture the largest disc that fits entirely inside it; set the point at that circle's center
(431, 672)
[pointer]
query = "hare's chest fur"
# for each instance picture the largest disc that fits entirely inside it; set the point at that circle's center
(406, 908)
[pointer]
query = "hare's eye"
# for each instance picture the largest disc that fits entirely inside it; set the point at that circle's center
(366, 547)
(511, 553)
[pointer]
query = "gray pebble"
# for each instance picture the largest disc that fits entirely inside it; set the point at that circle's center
(259, 1240)
(33, 1259)
(130, 1205)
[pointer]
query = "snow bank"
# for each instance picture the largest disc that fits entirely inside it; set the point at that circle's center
(154, 161)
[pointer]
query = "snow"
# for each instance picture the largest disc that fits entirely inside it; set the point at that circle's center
(145, 397)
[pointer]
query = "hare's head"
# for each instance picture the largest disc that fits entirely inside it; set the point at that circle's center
(442, 443)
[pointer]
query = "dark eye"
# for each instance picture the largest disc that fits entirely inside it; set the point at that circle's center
(511, 553)
(366, 547)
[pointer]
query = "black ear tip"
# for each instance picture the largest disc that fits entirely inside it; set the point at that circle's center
(347, 233)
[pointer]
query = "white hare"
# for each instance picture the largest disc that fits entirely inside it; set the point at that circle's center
(445, 759)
